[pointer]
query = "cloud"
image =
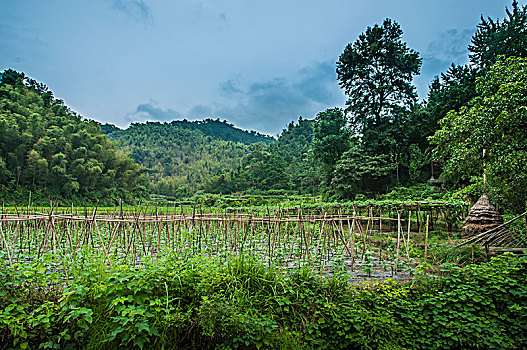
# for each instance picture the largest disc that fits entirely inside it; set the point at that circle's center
(151, 112)
(228, 88)
(318, 83)
(449, 47)
(137, 10)
(266, 106)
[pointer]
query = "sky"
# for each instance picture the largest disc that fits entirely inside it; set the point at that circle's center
(258, 64)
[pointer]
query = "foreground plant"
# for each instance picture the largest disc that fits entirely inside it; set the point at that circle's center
(240, 303)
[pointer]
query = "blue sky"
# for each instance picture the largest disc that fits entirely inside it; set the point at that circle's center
(258, 64)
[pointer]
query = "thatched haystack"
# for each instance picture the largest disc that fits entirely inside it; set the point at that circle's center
(482, 217)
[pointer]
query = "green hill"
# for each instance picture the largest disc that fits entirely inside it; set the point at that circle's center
(214, 128)
(222, 130)
(184, 156)
(53, 152)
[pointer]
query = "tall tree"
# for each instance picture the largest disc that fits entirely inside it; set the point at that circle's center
(495, 38)
(358, 172)
(46, 148)
(455, 88)
(376, 73)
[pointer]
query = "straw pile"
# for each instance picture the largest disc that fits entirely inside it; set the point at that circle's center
(482, 217)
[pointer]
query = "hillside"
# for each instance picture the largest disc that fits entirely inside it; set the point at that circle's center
(51, 151)
(286, 164)
(222, 130)
(216, 129)
(185, 157)
(181, 157)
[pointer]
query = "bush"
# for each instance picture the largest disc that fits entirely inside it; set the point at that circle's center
(198, 303)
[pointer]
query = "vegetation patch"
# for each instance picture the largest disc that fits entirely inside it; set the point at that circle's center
(199, 303)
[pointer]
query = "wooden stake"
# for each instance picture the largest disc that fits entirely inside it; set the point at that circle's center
(399, 228)
(426, 236)
(408, 239)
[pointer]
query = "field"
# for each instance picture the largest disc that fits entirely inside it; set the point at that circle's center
(309, 275)
(365, 242)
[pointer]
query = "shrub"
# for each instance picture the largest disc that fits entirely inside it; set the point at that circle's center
(198, 303)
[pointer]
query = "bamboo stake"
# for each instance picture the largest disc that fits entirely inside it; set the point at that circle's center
(102, 243)
(408, 240)
(340, 235)
(6, 246)
(426, 236)
(319, 238)
(398, 241)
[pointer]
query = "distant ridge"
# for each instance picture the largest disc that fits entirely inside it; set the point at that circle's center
(221, 130)
(183, 156)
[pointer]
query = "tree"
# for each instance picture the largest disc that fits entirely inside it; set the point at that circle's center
(330, 139)
(494, 38)
(357, 172)
(489, 135)
(454, 90)
(47, 148)
(376, 72)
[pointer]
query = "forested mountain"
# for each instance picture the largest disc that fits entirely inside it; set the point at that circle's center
(222, 130)
(286, 164)
(180, 157)
(184, 157)
(49, 150)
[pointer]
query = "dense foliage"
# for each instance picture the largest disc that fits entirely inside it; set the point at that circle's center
(475, 117)
(49, 150)
(455, 88)
(287, 164)
(376, 73)
(488, 136)
(382, 142)
(180, 157)
(197, 303)
(212, 156)
(494, 38)
(331, 139)
(222, 130)
(380, 139)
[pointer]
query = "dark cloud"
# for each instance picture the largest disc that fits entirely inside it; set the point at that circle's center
(268, 106)
(228, 88)
(447, 48)
(318, 83)
(150, 111)
(137, 10)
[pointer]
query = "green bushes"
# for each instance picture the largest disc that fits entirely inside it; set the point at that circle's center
(199, 303)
